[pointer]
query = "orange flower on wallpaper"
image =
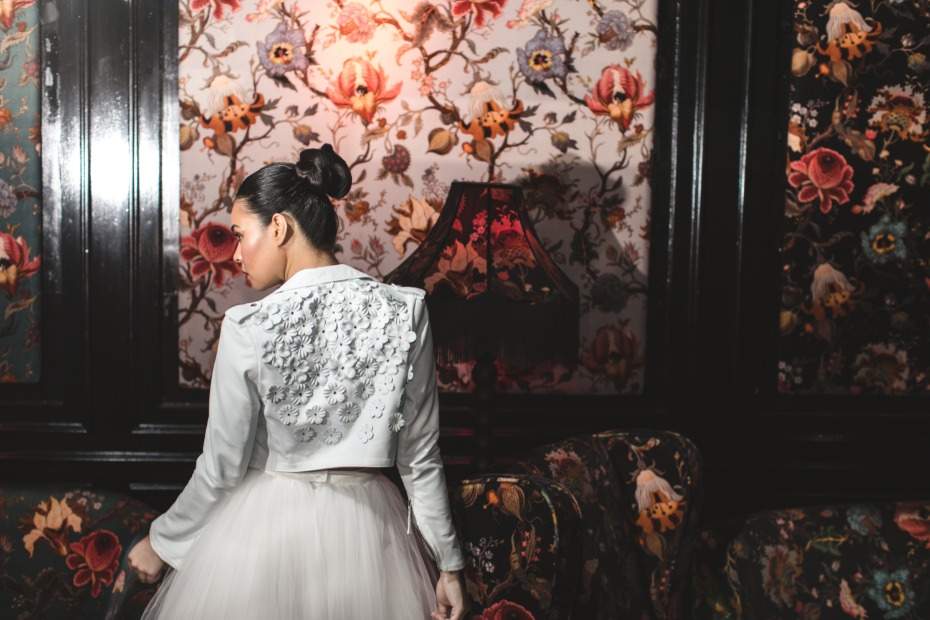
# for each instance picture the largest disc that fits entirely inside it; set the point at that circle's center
(8, 10)
(619, 94)
(50, 523)
(15, 263)
(219, 6)
(362, 88)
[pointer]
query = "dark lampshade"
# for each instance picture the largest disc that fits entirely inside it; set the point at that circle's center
(491, 288)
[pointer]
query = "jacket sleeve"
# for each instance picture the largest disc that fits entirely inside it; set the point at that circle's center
(418, 459)
(234, 409)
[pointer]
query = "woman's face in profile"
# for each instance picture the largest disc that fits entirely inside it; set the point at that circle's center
(259, 256)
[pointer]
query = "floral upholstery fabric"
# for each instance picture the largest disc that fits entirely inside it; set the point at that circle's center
(661, 475)
(611, 572)
(62, 552)
(522, 554)
(852, 561)
(712, 594)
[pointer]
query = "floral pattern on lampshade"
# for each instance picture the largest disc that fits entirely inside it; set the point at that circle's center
(855, 285)
(557, 98)
(20, 194)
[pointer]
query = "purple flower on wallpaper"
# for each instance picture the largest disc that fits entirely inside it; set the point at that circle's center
(885, 241)
(7, 199)
(542, 58)
(280, 51)
(615, 31)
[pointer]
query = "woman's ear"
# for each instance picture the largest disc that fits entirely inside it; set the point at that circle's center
(280, 228)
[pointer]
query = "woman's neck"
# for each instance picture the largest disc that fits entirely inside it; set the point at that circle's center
(308, 260)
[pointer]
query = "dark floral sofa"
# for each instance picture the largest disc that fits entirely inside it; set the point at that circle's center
(848, 561)
(63, 553)
(590, 527)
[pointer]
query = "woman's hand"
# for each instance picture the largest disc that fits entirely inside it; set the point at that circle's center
(146, 562)
(450, 592)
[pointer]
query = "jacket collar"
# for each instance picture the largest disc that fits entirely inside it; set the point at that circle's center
(322, 275)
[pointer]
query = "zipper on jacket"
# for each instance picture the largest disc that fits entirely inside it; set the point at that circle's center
(411, 520)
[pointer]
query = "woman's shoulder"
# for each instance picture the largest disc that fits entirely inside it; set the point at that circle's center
(241, 312)
(409, 292)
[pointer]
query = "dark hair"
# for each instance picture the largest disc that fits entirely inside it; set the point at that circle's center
(302, 190)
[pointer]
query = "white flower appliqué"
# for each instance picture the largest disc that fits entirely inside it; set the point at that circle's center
(332, 437)
(396, 422)
(315, 415)
(366, 433)
(384, 383)
(377, 408)
(301, 394)
(364, 389)
(289, 414)
(304, 433)
(335, 393)
(276, 394)
(348, 412)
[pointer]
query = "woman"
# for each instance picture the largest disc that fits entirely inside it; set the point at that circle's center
(314, 387)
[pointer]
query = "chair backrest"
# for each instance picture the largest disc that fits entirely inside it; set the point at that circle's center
(612, 583)
(520, 537)
(661, 476)
(832, 561)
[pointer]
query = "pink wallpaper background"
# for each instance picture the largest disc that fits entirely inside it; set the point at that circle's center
(555, 96)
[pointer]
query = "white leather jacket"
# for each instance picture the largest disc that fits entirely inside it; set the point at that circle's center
(333, 369)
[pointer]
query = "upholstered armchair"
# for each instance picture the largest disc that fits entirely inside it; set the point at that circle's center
(637, 494)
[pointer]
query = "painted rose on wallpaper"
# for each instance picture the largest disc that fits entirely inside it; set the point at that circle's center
(855, 287)
(209, 250)
(415, 96)
(822, 175)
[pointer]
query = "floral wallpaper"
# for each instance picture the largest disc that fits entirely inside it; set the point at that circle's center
(556, 96)
(20, 187)
(855, 291)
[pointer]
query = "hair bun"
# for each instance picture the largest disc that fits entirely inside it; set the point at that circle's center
(323, 169)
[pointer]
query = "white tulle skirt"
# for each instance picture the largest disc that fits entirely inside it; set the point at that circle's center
(303, 546)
